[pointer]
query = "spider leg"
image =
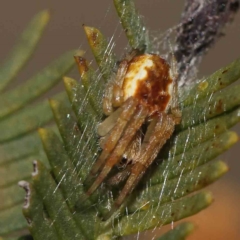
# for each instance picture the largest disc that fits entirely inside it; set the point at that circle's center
(159, 133)
(131, 153)
(117, 93)
(117, 97)
(107, 99)
(135, 123)
(104, 130)
(114, 94)
(132, 54)
(119, 177)
(106, 126)
(175, 104)
(128, 110)
(176, 112)
(133, 148)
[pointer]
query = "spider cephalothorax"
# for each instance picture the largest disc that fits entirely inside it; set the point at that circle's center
(143, 92)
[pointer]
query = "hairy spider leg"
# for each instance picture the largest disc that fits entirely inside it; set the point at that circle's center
(113, 97)
(132, 152)
(133, 148)
(161, 132)
(135, 123)
(128, 109)
(114, 94)
(107, 125)
(107, 99)
(174, 102)
(175, 111)
(119, 177)
(117, 96)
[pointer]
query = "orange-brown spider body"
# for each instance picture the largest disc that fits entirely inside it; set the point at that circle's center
(143, 91)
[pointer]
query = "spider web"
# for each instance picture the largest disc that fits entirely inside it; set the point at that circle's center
(163, 44)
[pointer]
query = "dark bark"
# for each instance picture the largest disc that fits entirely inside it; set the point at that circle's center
(202, 24)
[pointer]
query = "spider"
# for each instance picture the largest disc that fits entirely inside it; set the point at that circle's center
(143, 93)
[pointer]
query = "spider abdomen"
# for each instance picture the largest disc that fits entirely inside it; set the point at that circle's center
(148, 79)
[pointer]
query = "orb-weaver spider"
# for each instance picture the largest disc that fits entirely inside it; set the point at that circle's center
(142, 92)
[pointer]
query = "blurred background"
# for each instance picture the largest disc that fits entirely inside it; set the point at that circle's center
(222, 219)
